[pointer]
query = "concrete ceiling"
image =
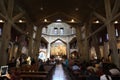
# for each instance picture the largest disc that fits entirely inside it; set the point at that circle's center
(65, 10)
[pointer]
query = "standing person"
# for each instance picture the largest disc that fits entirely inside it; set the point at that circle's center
(75, 67)
(18, 62)
(41, 67)
(48, 61)
(106, 75)
(66, 62)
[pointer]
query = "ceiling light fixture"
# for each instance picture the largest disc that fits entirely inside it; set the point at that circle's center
(97, 21)
(76, 9)
(41, 8)
(116, 22)
(1, 21)
(20, 21)
(45, 20)
(58, 20)
(72, 20)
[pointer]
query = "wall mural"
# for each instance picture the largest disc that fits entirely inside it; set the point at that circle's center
(58, 48)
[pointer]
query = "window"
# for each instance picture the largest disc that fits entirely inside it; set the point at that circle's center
(83, 35)
(116, 32)
(55, 30)
(34, 34)
(35, 28)
(0, 32)
(100, 39)
(107, 37)
(61, 31)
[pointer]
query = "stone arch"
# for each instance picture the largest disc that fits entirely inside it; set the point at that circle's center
(60, 40)
(73, 39)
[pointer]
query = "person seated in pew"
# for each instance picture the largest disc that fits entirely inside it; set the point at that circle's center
(75, 67)
(114, 72)
(92, 75)
(106, 75)
(41, 67)
(9, 76)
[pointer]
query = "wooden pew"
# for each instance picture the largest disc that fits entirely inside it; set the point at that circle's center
(33, 77)
(31, 72)
(42, 75)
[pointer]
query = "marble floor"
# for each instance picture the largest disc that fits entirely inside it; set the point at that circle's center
(60, 74)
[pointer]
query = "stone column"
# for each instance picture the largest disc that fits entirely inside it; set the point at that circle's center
(79, 41)
(6, 35)
(111, 34)
(105, 51)
(86, 50)
(37, 42)
(68, 50)
(30, 34)
(11, 54)
(96, 45)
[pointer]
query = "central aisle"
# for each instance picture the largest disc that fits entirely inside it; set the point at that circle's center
(60, 74)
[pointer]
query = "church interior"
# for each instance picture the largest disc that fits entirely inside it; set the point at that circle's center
(59, 39)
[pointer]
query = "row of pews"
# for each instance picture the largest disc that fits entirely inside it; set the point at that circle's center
(30, 72)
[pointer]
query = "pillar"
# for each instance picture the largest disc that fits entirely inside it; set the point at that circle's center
(37, 42)
(79, 41)
(30, 34)
(68, 50)
(105, 51)
(86, 50)
(111, 34)
(96, 45)
(6, 35)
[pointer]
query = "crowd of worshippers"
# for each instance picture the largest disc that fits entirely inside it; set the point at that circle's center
(94, 70)
(21, 60)
(28, 60)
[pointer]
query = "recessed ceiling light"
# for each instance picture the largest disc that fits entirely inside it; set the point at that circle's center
(1, 21)
(41, 8)
(20, 21)
(97, 21)
(76, 9)
(58, 20)
(116, 22)
(45, 20)
(72, 20)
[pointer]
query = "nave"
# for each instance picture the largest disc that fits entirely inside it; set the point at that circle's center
(81, 30)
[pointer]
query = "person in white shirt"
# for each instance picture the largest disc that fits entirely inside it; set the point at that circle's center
(75, 67)
(114, 71)
(106, 75)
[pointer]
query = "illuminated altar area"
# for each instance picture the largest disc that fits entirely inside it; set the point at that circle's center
(58, 48)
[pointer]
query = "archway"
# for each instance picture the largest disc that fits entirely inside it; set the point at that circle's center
(58, 49)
